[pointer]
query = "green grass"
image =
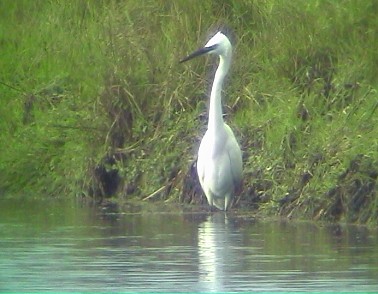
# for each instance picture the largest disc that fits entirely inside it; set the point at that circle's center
(94, 87)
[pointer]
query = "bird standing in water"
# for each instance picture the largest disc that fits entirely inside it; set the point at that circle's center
(219, 164)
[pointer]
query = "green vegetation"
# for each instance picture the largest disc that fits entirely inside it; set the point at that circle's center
(94, 102)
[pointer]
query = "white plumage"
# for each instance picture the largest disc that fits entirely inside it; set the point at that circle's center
(219, 163)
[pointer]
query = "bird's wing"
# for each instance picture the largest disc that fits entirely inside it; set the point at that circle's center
(235, 156)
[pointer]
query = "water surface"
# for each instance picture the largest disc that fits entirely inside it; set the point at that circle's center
(64, 246)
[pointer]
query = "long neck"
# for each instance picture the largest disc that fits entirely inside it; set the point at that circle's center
(215, 109)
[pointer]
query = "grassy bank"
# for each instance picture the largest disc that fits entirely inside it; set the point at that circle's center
(95, 103)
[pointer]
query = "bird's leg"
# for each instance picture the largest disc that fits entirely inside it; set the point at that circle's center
(228, 201)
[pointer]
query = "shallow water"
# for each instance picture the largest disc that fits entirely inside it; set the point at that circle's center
(63, 246)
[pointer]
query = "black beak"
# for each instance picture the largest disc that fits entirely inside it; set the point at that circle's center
(199, 52)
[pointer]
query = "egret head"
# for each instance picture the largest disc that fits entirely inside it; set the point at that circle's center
(219, 44)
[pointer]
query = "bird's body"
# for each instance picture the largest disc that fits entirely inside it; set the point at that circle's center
(219, 166)
(219, 163)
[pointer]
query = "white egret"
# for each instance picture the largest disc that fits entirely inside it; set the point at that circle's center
(219, 163)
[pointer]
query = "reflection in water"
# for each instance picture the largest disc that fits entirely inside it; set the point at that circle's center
(222, 253)
(64, 247)
(212, 251)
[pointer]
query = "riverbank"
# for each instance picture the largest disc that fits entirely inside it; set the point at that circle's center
(95, 104)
